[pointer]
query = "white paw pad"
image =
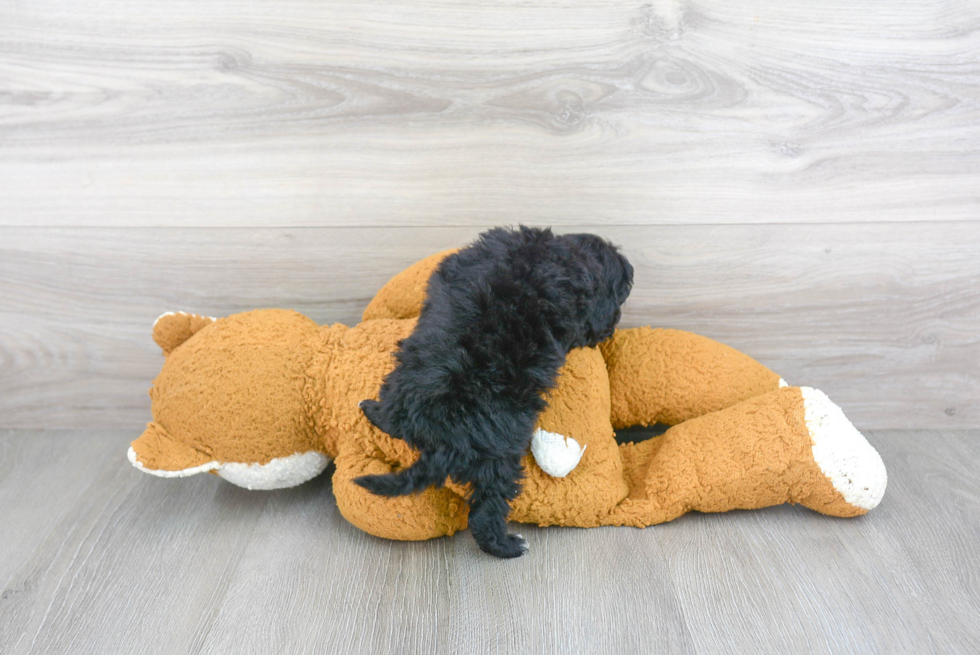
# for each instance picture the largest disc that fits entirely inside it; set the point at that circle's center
(556, 454)
(280, 473)
(842, 453)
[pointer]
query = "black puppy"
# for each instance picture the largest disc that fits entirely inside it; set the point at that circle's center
(498, 319)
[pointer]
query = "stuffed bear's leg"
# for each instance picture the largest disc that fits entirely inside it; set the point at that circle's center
(425, 515)
(670, 376)
(789, 445)
(402, 295)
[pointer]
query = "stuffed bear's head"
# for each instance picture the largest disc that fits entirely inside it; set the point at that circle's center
(230, 400)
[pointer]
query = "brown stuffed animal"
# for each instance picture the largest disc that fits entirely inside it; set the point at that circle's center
(265, 398)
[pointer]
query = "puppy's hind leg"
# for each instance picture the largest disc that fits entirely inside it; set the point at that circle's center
(495, 483)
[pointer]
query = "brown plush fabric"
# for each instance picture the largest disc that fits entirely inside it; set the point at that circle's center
(161, 452)
(578, 408)
(402, 296)
(670, 376)
(756, 453)
(235, 389)
(270, 383)
(171, 330)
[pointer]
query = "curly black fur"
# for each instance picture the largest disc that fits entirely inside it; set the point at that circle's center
(498, 320)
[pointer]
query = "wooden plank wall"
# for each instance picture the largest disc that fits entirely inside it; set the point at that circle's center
(799, 180)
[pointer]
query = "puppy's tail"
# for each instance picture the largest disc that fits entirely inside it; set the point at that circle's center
(428, 471)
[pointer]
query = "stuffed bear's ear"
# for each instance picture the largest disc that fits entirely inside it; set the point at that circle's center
(157, 453)
(174, 328)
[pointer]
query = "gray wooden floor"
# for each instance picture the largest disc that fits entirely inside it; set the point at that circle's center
(96, 557)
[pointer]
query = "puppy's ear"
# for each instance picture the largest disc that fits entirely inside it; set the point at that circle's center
(624, 284)
(613, 267)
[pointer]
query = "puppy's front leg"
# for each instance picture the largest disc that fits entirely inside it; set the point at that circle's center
(495, 483)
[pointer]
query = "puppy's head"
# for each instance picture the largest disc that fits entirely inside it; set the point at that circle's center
(612, 279)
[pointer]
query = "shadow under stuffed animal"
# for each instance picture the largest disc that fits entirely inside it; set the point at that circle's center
(266, 398)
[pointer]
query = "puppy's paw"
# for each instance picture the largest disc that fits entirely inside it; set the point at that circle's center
(513, 545)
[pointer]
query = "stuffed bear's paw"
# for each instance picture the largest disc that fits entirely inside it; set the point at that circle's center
(852, 465)
(556, 454)
(513, 545)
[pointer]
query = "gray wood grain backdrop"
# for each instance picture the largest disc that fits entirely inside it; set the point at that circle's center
(799, 180)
